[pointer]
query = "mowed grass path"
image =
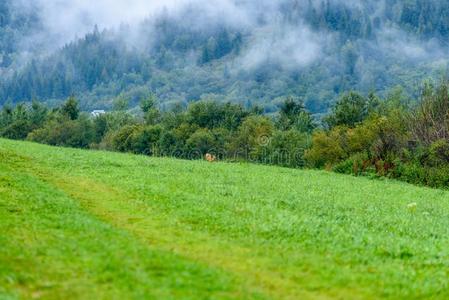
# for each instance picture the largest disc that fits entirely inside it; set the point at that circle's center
(80, 224)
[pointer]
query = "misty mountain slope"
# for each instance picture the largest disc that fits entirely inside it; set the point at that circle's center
(251, 52)
(15, 26)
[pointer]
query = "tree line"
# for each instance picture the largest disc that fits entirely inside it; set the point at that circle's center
(393, 137)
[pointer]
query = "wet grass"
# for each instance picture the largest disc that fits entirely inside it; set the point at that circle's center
(82, 224)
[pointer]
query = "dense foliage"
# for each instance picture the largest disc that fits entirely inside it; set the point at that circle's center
(227, 131)
(392, 137)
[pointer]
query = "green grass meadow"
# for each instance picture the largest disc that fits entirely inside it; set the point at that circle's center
(78, 224)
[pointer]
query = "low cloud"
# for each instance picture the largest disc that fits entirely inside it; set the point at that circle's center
(402, 44)
(283, 45)
(270, 38)
(64, 20)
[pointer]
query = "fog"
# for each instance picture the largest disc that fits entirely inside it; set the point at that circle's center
(65, 20)
(274, 31)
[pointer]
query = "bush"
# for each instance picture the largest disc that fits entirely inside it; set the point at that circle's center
(65, 132)
(201, 142)
(145, 140)
(437, 177)
(18, 130)
(439, 153)
(414, 173)
(357, 164)
(410, 172)
(253, 138)
(327, 148)
(139, 139)
(287, 148)
(122, 140)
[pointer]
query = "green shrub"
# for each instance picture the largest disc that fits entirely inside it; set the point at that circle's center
(253, 138)
(415, 173)
(438, 177)
(201, 142)
(344, 167)
(121, 140)
(327, 148)
(409, 172)
(439, 153)
(357, 164)
(138, 139)
(77, 133)
(287, 148)
(17, 130)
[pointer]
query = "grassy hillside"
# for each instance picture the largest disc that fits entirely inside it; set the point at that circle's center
(91, 225)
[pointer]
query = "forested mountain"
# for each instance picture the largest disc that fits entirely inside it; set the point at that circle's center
(15, 25)
(249, 52)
